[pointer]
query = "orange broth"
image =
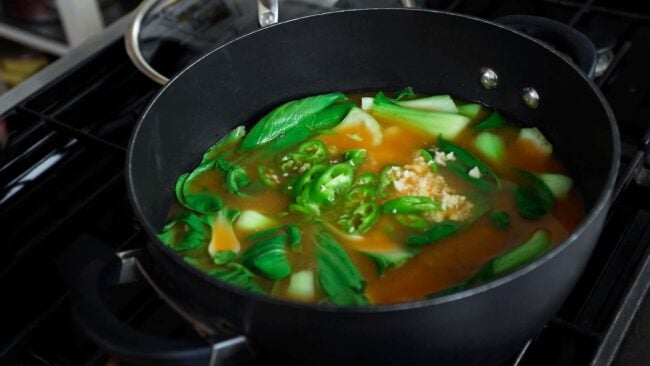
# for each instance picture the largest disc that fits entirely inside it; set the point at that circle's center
(439, 265)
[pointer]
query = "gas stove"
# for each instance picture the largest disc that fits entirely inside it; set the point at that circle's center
(63, 136)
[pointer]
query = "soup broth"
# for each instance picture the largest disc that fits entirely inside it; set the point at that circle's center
(365, 199)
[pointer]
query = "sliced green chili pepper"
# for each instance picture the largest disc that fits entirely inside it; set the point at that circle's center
(295, 163)
(464, 173)
(269, 176)
(315, 149)
(360, 194)
(367, 179)
(355, 157)
(334, 181)
(412, 221)
(411, 204)
(428, 159)
(361, 219)
(466, 161)
(306, 179)
(385, 181)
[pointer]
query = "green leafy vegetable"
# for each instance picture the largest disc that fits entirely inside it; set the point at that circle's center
(392, 259)
(493, 121)
(538, 243)
(337, 275)
(293, 121)
(447, 125)
(186, 232)
(434, 103)
(268, 254)
(435, 233)
(532, 197)
(237, 275)
(491, 146)
(525, 253)
(559, 184)
(294, 236)
(537, 138)
(224, 257)
(250, 220)
(228, 143)
(465, 161)
(500, 219)
(301, 286)
(405, 93)
(470, 110)
(447, 291)
(201, 201)
(236, 176)
(359, 118)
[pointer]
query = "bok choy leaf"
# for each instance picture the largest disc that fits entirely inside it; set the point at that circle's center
(532, 196)
(447, 125)
(391, 259)
(337, 275)
(294, 121)
(237, 275)
(268, 254)
(225, 145)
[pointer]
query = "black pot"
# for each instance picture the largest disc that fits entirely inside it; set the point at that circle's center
(385, 49)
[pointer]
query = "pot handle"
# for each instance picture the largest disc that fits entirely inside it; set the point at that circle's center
(562, 37)
(90, 267)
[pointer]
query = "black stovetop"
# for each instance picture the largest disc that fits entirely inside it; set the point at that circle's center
(61, 179)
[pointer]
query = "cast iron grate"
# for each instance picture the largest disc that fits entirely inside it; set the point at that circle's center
(61, 177)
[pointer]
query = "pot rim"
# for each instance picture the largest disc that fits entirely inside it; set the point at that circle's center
(601, 203)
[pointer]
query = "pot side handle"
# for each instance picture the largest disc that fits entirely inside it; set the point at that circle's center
(91, 267)
(560, 36)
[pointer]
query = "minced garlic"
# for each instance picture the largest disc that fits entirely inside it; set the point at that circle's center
(417, 179)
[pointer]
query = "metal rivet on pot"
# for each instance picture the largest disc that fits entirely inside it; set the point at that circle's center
(531, 98)
(489, 78)
(267, 18)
